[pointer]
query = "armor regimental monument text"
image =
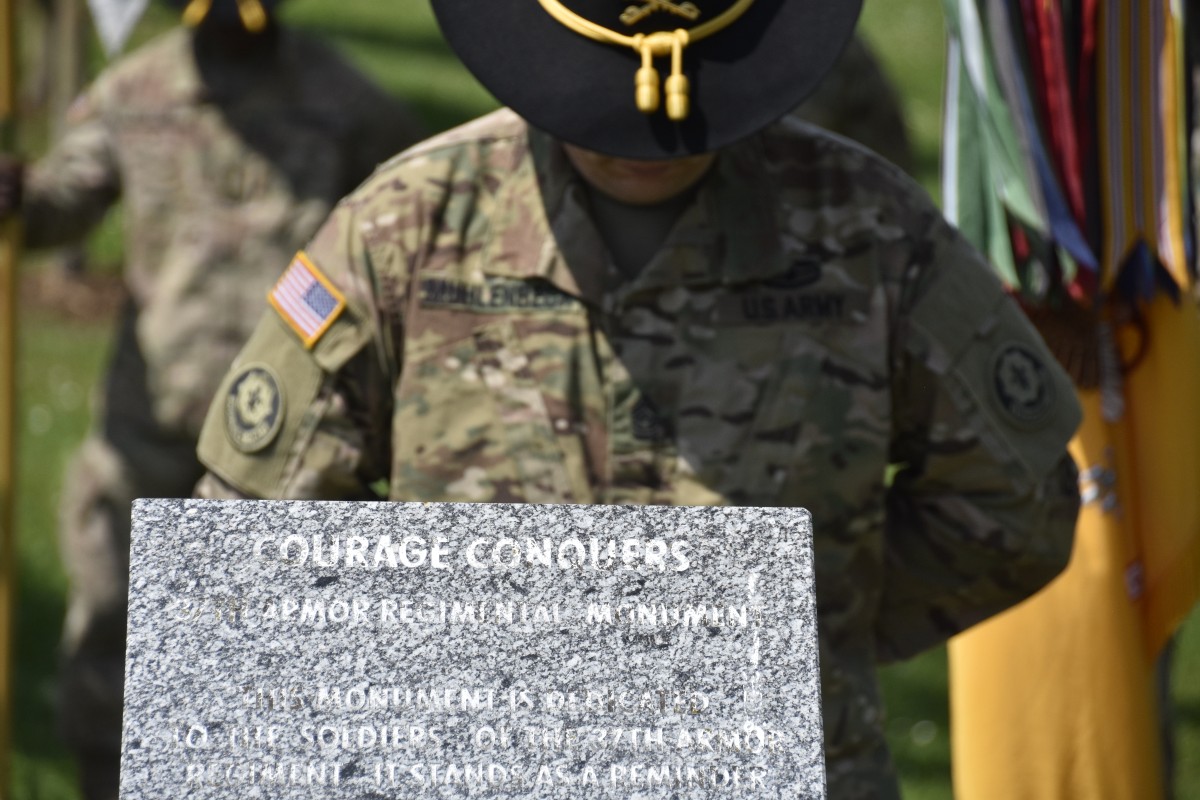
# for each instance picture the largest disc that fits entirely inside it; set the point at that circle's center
(392, 650)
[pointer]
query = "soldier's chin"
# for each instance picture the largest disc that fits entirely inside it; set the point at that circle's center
(645, 183)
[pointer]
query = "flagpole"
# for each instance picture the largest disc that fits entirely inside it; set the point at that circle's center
(9, 244)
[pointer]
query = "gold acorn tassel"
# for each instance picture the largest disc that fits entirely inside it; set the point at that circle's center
(646, 82)
(195, 12)
(678, 104)
(252, 14)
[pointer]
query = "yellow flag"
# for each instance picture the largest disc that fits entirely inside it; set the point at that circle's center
(1055, 698)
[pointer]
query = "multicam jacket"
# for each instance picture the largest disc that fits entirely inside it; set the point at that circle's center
(225, 167)
(810, 324)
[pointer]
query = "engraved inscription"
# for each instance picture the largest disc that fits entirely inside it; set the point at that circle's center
(322, 610)
(503, 553)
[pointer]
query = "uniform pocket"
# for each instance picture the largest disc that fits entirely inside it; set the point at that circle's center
(797, 402)
(471, 426)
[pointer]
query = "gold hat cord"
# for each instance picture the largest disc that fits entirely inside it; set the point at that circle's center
(251, 12)
(651, 46)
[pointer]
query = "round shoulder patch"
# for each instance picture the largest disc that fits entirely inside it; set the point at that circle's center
(253, 408)
(1021, 385)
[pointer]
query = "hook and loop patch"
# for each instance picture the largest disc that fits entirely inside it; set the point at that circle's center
(254, 408)
(1022, 386)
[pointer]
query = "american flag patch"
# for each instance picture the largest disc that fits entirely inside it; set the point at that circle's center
(306, 300)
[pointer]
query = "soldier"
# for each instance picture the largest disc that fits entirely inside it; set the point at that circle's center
(229, 146)
(627, 290)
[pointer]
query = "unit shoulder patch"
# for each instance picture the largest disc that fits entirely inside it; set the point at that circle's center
(1022, 386)
(306, 300)
(254, 408)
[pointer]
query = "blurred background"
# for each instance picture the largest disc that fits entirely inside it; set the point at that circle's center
(66, 323)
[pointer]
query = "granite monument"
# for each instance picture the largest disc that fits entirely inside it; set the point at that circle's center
(394, 650)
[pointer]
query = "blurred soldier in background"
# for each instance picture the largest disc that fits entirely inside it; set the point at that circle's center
(858, 100)
(229, 142)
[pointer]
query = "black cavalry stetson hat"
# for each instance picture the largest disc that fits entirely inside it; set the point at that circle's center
(649, 79)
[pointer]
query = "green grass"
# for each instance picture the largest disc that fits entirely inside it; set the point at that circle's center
(410, 59)
(59, 362)
(1186, 693)
(909, 40)
(397, 42)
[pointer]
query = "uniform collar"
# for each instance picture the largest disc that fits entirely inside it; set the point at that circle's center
(542, 229)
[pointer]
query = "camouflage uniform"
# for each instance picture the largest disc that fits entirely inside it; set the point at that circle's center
(225, 167)
(857, 99)
(810, 320)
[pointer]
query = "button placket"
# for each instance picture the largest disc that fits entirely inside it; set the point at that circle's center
(642, 452)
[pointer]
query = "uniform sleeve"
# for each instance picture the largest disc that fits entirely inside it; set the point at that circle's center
(300, 416)
(982, 506)
(69, 190)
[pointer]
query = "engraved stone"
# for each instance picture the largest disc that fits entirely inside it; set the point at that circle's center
(401, 650)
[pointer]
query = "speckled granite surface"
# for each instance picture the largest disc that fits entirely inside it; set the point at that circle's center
(378, 650)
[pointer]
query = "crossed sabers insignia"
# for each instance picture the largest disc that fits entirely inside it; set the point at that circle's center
(635, 14)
